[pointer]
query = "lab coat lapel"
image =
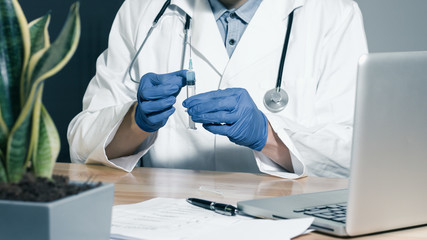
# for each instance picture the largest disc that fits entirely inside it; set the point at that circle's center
(206, 38)
(264, 34)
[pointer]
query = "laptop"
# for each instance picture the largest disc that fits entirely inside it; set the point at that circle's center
(389, 156)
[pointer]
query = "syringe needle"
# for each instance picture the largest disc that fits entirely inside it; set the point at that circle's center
(191, 90)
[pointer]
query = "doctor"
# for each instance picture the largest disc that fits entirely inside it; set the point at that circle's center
(236, 48)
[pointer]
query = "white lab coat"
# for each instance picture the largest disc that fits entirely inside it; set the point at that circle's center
(319, 75)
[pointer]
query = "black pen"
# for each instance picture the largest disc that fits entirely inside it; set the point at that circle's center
(220, 208)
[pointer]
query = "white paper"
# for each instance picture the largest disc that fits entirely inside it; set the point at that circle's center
(176, 219)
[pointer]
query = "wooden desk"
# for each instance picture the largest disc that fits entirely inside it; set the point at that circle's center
(146, 183)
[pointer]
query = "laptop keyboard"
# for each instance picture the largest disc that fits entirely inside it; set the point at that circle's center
(334, 212)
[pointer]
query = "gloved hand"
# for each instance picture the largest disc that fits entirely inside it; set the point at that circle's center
(231, 113)
(156, 96)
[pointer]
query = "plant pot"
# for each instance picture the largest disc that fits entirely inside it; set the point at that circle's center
(86, 215)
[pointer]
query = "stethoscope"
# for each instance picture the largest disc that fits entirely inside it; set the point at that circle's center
(275, 100)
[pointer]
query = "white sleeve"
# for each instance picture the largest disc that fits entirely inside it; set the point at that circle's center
(324, 149)
(109, 96)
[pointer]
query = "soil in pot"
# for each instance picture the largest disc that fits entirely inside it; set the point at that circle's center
(37, 189)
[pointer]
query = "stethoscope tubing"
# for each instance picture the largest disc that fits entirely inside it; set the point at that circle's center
(276, 99)
(284, 50)
(154, 25)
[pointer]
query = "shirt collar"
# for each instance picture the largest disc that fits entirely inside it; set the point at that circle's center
(245, 12)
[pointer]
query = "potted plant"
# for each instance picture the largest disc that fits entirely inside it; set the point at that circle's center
(29, 141)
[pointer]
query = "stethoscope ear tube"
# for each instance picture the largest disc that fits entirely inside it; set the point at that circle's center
(137, 53)
(160, 14)
(156, 20)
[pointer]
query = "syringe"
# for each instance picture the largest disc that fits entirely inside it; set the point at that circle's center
(191, 90)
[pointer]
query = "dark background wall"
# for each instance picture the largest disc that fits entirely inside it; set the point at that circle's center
(391, 25)
(63, 92)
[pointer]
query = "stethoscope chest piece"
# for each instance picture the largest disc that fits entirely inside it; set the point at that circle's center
(275, 100)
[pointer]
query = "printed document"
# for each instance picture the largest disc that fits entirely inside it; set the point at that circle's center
(176, 219)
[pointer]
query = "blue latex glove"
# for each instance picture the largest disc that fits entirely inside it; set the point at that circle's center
(231, 113)
(156, 96)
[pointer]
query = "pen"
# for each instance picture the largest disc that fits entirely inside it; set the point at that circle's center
(220, 208)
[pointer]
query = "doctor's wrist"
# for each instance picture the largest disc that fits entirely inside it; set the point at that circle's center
(127, 138)
(277, 151)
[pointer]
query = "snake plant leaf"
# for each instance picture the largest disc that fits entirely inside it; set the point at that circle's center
(35, 125)
(18, 145)
(4, 131)
(3, 142)
(14, 53)
(61, 50)
(48, 146)
(50, 62)
(39, 37)
(18, 142)
(39, 34)
(40, 42)
(34, 110)
(3, 176)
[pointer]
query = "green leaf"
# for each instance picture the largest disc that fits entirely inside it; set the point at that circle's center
(18, 142)
(14, 52)
(34, 136)
(39, 34)
(39, 37)
(61, 51)
(3, 176)
(40, 42)
(4, 131)
(47, 148)
(18, 145)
